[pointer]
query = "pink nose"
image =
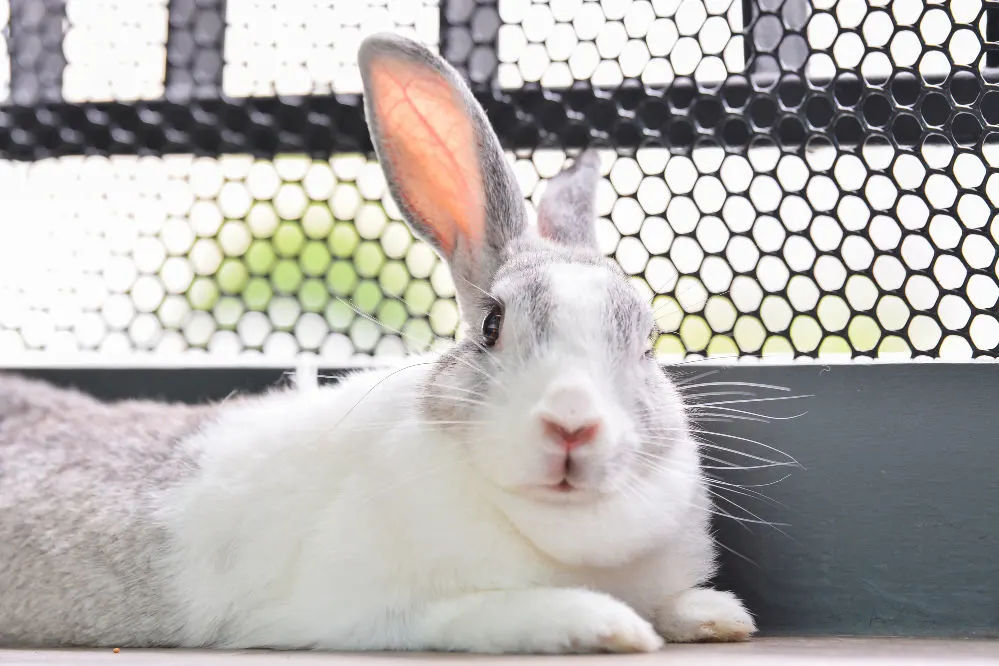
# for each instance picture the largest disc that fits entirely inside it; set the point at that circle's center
(569, 439)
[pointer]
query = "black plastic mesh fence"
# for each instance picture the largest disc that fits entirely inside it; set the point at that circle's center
(806, 178)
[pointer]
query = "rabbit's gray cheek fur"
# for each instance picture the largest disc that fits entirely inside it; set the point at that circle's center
(464, 383)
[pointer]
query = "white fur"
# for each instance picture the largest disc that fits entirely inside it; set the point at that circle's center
(347, 518)
(421, 507)
(333, 519)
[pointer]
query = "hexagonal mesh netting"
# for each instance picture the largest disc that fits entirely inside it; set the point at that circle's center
(781, 177)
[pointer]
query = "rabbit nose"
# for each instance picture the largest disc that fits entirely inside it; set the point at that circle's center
(568, 438)
(569, 415)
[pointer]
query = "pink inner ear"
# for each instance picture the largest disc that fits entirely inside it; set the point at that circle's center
(430, 143)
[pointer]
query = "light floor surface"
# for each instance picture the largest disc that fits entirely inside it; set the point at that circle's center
(759, 652)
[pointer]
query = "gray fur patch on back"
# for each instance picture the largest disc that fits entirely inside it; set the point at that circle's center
(78, 482)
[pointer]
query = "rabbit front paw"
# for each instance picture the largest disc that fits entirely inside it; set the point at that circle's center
(547, 621)
(598, 625)
(704, 615)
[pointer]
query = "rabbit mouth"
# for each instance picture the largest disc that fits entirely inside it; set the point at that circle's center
(563, 486)
(564, 491)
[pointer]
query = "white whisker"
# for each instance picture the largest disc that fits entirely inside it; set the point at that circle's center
(695, 431)
(727, 464)
(687, 380)
(404, 336)
(772, 387)
(750, 441)
(708, 394)
(745, 492)
(756, 415)
(724, 418)
(377, 384)
(701, 360)
(477, 288)
(753, 517)
(735, 552)
(718, 447)
(735, 402)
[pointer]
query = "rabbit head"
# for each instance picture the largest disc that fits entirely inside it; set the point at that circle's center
(554, 389)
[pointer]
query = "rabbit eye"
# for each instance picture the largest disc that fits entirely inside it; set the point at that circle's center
(491, 325)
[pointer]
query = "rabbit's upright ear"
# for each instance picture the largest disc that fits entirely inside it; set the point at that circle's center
(443, 162)
(567, 214)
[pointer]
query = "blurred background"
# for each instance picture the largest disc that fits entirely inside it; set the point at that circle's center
(193, 177)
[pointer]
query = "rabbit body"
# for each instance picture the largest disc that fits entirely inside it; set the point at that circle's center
(534, 489)
(287, 521)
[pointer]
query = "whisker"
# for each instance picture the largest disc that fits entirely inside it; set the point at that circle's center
(764, 485)
(772, 387)
(725, 514)
(739, 490)
(377, 384)
(711, 479)
(733, 466)
(477, 288)
(653, 464)
(404, 336)
(695, 431)
(724, 418)
(744, 521)
(757, 415)
(736, 402)
(684, 381)
(701, 360)
(676, 298)
(708, 394)
(478, 345)
(364, 315)
(229, 397)
(750, 441)
(736, 553)
(718, 447)
(745, 489)
(755, 519)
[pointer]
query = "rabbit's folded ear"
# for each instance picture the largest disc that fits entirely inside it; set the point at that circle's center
(443, 163)
(566, 214)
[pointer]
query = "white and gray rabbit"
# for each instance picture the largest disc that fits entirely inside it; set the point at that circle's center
(534, 489)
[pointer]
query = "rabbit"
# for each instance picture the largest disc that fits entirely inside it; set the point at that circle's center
(534, 489)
